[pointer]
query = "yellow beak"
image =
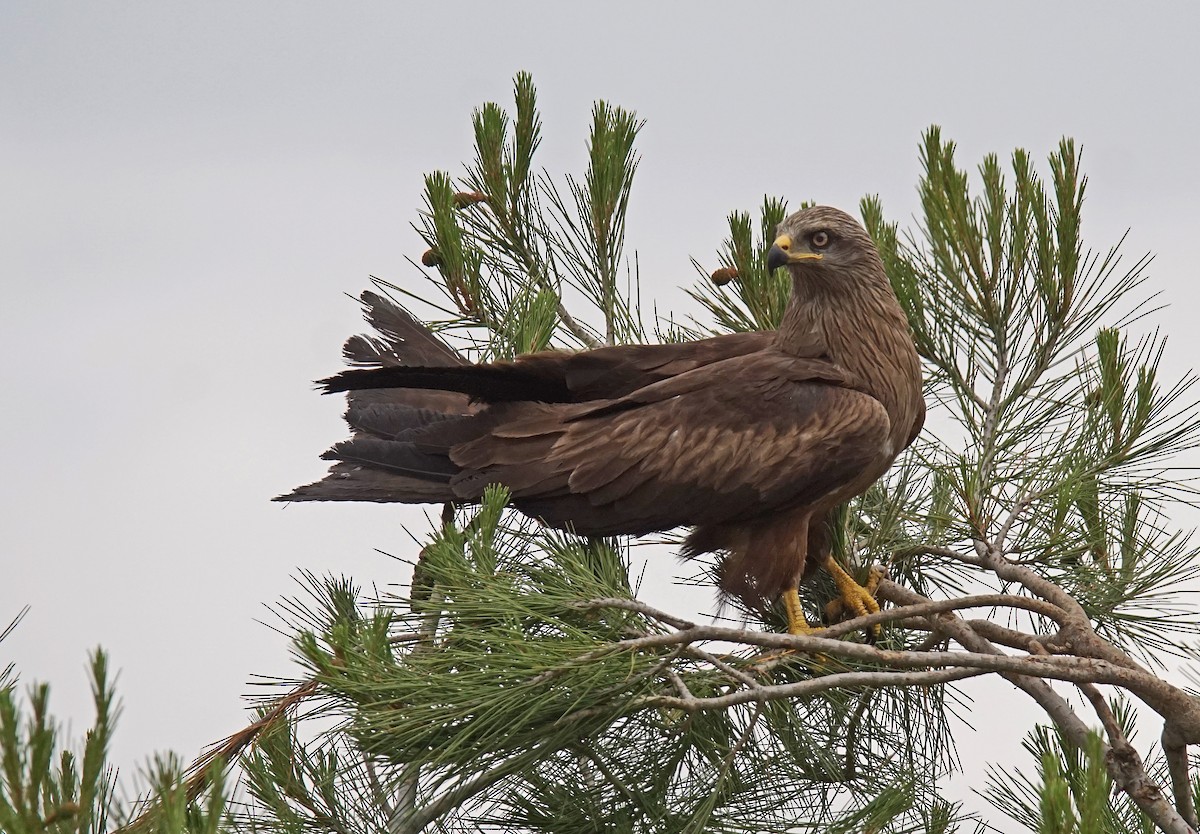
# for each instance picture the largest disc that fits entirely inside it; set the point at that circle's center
(782, 253)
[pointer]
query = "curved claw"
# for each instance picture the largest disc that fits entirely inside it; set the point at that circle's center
(856, 599)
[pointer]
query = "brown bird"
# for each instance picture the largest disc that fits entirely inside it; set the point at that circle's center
(750, 439)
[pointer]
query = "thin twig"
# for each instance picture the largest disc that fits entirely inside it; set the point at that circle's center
(1107, 720)
(736, 674)
(608, 773)
(196, 779)
(637, 606)
(576, 329)
(1009, 637)
(680, 686)
(852, 733)
(1056, 667)
(377, 788)
(1019, 506)
(805, 688)
(463, 791)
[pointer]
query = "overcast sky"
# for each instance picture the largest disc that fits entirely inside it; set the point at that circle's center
(188, 191)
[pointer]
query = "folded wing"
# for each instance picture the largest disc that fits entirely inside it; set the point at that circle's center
(730, 441)
(408, 380)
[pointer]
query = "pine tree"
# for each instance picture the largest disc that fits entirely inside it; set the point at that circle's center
(520, 684)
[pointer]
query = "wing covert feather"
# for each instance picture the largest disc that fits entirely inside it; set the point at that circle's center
(733, 439)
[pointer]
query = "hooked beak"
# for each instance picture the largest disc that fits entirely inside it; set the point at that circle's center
(782, 254)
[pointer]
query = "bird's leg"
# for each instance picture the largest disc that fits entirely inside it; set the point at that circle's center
(797, 623)
(855, 597)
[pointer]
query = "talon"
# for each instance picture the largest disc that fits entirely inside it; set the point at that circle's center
(855, 597)
(874, 577)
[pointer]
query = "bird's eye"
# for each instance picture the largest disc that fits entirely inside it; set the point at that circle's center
(819, 240)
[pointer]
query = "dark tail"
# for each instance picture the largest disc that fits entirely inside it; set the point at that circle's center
(379, 462)
(402, 340)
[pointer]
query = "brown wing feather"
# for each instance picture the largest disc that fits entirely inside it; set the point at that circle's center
(732, 440)
(553, 375)
(918, 423)
(616, 371)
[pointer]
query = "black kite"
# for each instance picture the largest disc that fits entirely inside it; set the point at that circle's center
(749, 439)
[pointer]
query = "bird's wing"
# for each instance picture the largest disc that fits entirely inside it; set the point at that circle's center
(610, 372)
(408, 379)
(562, 376)
(918, 422)
(730, 440)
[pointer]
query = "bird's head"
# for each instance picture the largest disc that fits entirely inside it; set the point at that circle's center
(822, 244)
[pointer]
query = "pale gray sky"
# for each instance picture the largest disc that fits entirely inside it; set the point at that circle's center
(189, 189)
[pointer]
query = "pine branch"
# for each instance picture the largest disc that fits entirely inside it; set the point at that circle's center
(1128, 772)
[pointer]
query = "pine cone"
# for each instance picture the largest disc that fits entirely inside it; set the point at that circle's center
(463, 199)
(724, 275)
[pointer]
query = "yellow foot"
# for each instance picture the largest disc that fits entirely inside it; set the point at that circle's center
(797, 623)
(858, 601)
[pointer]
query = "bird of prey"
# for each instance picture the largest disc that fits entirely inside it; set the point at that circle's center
(750, 439)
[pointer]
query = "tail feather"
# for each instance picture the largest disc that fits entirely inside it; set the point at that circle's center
(352, 482)
(392, 420)
(412, 397)
(402, 458)
(379, 462)
(402, 340)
